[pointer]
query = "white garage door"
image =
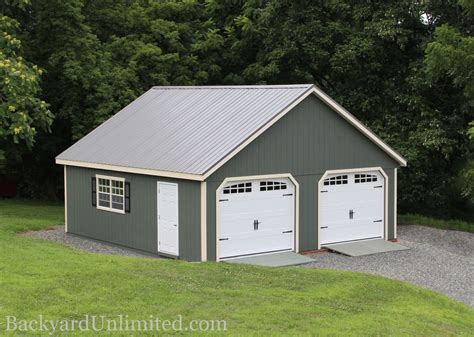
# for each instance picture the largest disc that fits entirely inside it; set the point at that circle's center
(351, 207)
(256, 216)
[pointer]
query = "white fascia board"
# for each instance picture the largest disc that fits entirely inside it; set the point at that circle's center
(134, 170)
(333, 105)
(358, 125)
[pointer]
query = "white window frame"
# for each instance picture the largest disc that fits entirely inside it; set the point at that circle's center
(110, 178)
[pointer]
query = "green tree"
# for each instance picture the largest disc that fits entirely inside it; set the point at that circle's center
(369, 57)
(22, 111)
(450, 57)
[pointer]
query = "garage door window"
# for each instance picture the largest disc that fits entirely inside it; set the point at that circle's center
(238, 188)
(364, 178)
(272, 186)
(337, 180)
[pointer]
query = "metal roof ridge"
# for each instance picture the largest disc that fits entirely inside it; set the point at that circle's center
(263, 86)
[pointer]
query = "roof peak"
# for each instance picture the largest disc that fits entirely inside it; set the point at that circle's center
(263, 86)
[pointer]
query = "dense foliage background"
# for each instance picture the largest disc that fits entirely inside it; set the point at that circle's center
(405, 68)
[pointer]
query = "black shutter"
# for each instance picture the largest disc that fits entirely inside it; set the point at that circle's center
(94, 192)
(127, 197)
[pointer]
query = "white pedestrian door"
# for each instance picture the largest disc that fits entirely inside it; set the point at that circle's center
(256, 217)
(168, 224)
(351, 207)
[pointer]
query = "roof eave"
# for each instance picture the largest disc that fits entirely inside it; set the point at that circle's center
(128, 169)
(201, 177)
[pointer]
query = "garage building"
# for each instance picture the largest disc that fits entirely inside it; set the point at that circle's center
(215, 172)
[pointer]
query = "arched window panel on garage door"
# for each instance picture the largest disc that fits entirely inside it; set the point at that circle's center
(364, 178)
(272, 185)
(336, 180)
(244, 187)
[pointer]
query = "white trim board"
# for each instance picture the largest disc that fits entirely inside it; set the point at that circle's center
(128, 169)
(362, 169)
(361, 127)
(203, 221)
(395, 183)
(332, 104)
(259, 177)
(201, 177)
(65, 198)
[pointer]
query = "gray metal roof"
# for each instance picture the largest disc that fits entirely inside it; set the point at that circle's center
(183, 129)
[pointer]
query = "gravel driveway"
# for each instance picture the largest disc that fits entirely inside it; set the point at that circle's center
(440, 260)
(94, 246)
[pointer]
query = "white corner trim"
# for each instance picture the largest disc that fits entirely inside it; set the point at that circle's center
(203, 221)
(127, 169)
(65, 198)
(362, 169)
(258, 177)
(395, 187)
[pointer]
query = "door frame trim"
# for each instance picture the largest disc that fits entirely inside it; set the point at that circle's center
(395, 183)
(353, 170)
(158, 220)
(259, 177)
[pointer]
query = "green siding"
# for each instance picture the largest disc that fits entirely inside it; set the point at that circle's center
(308, 141)
(137, 229)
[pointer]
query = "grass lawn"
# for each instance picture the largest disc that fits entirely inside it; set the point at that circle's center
(416, 219)
(58, 282)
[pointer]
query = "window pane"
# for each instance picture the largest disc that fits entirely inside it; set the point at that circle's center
(117, 199)
(104, 203)
(104, 196)
(117, 206)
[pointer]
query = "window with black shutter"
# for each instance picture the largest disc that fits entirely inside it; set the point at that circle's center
(110, 193)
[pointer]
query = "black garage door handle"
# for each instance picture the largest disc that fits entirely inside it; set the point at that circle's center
(287, 232)
(323, 227)
(224, 239)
